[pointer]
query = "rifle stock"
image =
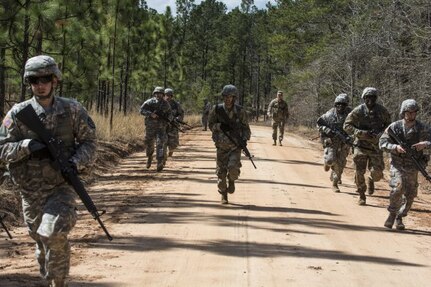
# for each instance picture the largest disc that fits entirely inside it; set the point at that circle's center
(55, 146)
(409, 152)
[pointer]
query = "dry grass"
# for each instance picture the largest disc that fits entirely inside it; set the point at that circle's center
(128, 128)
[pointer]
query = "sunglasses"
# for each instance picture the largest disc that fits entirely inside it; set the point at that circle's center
(37, 80)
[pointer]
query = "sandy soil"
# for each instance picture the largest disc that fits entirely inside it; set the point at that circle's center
(283, 227)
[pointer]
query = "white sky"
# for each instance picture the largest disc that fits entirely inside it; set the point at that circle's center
(160, 5)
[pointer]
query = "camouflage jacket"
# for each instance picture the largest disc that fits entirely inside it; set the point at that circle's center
(418, 133)
(68, 121)
(336, 121)
(278, 110)
(238, 118)
(206, 109)
(177, 110)
(367, 125)
(161, 108)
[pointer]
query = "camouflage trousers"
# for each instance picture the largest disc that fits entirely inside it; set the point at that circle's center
(158, 136)
(228, 167)
(278, 125)
(50, 216)
(204, 121)
(404, 189)
(375, 164)
(335, 156)
(173, 138)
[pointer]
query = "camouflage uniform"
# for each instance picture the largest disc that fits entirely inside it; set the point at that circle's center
(279, 111)
(172, 132)
(205, 112)
(366, 125)
(155, 128)
(404, 173)
(335, 150)
(48, 200)
(228, 153)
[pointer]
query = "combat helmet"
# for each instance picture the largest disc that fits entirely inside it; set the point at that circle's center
(342, 99)
(229, 90)
(169, 92)
(40, 66)
(158, 90)
(408, 105)
(369, 91)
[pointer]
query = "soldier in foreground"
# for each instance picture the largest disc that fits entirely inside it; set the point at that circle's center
(405, 140)
(366, 124)
(172, 131)
(157, 114)
(331, 132)
(279, 112)
(205, 113)
(48, 200)
(228, 122)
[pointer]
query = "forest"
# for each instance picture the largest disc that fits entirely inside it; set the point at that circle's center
(112, 53)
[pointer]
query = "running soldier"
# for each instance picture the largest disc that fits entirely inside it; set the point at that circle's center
(404, 172)
(279, 111)
(205, 113)
(223, 118)
(157, 114)
(366, 124)
(331, 130)
(172, 131)
(49, 202)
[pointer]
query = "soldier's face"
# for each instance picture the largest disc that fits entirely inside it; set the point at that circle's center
(159, 96)
(410, 116)
(279, 96)
(340, 107)
(370, 101)
(229, 101)
(42, 86)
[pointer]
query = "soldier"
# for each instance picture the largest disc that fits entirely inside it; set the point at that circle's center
(178, 114)
(279, 112)
(48, 200)
(366, 123)
(157, 114)
(404, 173)
(221, 118)
(205, 112)
(335, 150)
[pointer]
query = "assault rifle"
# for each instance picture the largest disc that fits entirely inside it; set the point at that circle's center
(183, 123)
(4, 226)
(175, 123)
(410, 153)
(231, 132)
(55, 147)
(343, 137)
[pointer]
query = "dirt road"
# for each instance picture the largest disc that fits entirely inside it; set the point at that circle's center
(283, 227)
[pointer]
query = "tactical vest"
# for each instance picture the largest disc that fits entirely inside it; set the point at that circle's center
(371, 120)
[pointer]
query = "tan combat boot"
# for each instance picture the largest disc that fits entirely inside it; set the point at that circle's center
(399, 225)
(370, 186)
(390, 220)
(362, 199)
(275, 142)
(280, 142)
(58, 282)
(231, 187)
(335, 187)
(224, 198)
(149, 160)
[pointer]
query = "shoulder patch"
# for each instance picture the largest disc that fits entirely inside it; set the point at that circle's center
(7, 121)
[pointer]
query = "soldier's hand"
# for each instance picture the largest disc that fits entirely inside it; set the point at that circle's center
(154, 116)
(400, 149)
(420, 145)
(70, 168)
(35, 145)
